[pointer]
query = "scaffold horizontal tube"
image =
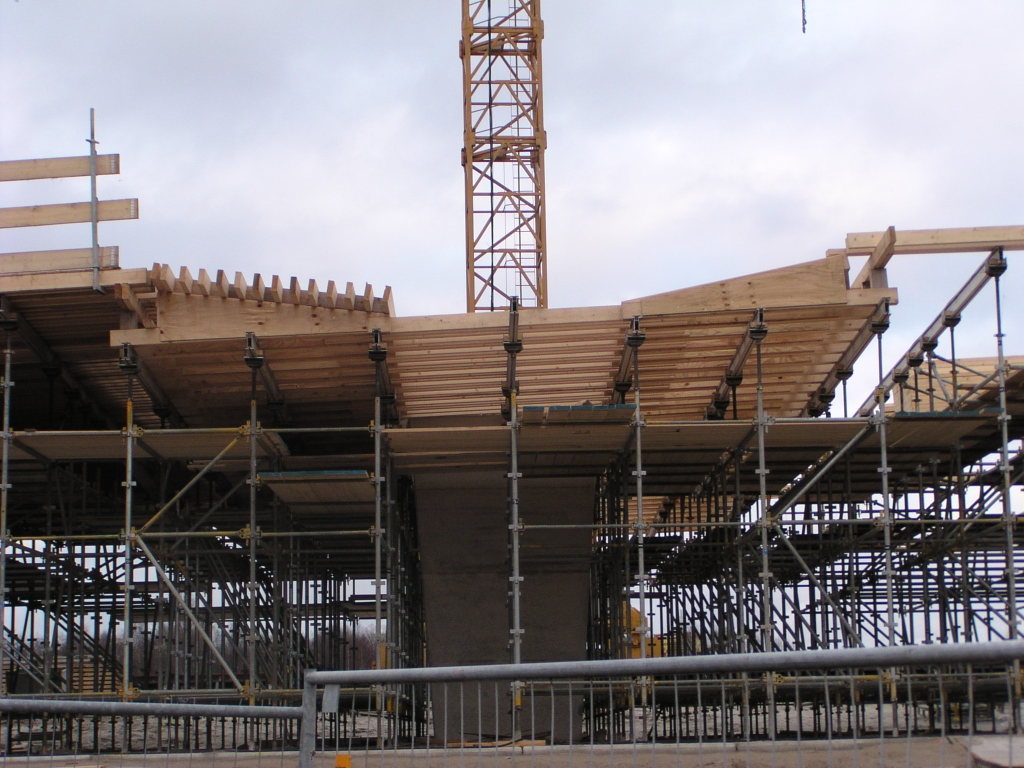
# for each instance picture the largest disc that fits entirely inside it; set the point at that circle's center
(840, 658)
(140, 709)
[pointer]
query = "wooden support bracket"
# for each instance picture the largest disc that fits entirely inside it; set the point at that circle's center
(129, 302)
(872, 274)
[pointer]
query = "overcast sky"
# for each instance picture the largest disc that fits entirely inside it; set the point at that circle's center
(689, 140)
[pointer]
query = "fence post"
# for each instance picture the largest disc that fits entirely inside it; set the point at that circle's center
(307, 731)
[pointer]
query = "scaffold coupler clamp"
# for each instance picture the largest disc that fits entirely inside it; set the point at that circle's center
(517, 693)
(248, 533)
(130, 695)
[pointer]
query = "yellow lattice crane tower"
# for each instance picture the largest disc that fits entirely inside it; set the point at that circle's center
(506, 241)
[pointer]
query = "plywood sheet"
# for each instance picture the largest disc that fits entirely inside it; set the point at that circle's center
(172, 444)
(322, 488)
(928, 431)
(577, 414)
(441, 439)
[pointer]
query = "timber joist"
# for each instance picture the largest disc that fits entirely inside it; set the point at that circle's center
(189, 333)
(164, 280)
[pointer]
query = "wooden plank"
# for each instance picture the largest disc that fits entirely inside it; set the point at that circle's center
(182, 319)
(70, 281)
(70, 260)
(329, 298)
(237, 289)
(202, 285)
(163, 278)
(67, 213)
(185, 281)
(815, 282)
(58, 167)
(276, 291)
(966, 240)
(872, 274)
(258, 290)
(313, 294)
(221, 288)
(348, 301)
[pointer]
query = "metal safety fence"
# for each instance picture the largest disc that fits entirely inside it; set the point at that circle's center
(925, 705)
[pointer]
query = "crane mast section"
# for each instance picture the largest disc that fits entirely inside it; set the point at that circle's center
(503, 154)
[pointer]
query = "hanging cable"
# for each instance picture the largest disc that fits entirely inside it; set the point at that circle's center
(803, 14)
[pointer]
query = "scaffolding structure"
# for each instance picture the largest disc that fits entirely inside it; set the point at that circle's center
(210, 485)
(899, 529)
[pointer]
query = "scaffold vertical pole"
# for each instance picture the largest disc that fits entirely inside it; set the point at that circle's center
(391, 568)
(5, 486)
(129, 366)
(513, 346)
(254, 359)
(996, 267)
(378, 541)
(884, 469)
(635, 338)
(94, 204)
(758, 332)
(878, 327)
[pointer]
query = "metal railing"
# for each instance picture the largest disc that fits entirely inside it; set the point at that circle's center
(883, 703)
(869, 706)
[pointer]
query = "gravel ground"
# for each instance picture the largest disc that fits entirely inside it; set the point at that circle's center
(900, 753)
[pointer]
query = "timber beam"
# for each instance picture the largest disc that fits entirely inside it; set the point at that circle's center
(843, 368)
(872, 274)
(162, 405)
(275, 400)
(994, 265)
(627, 361)
(733, 376)
(129, 301)
(966, 240)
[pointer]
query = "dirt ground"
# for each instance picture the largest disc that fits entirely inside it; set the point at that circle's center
(902, 753)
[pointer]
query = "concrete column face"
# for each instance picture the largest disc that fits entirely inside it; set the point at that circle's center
(463, 535)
